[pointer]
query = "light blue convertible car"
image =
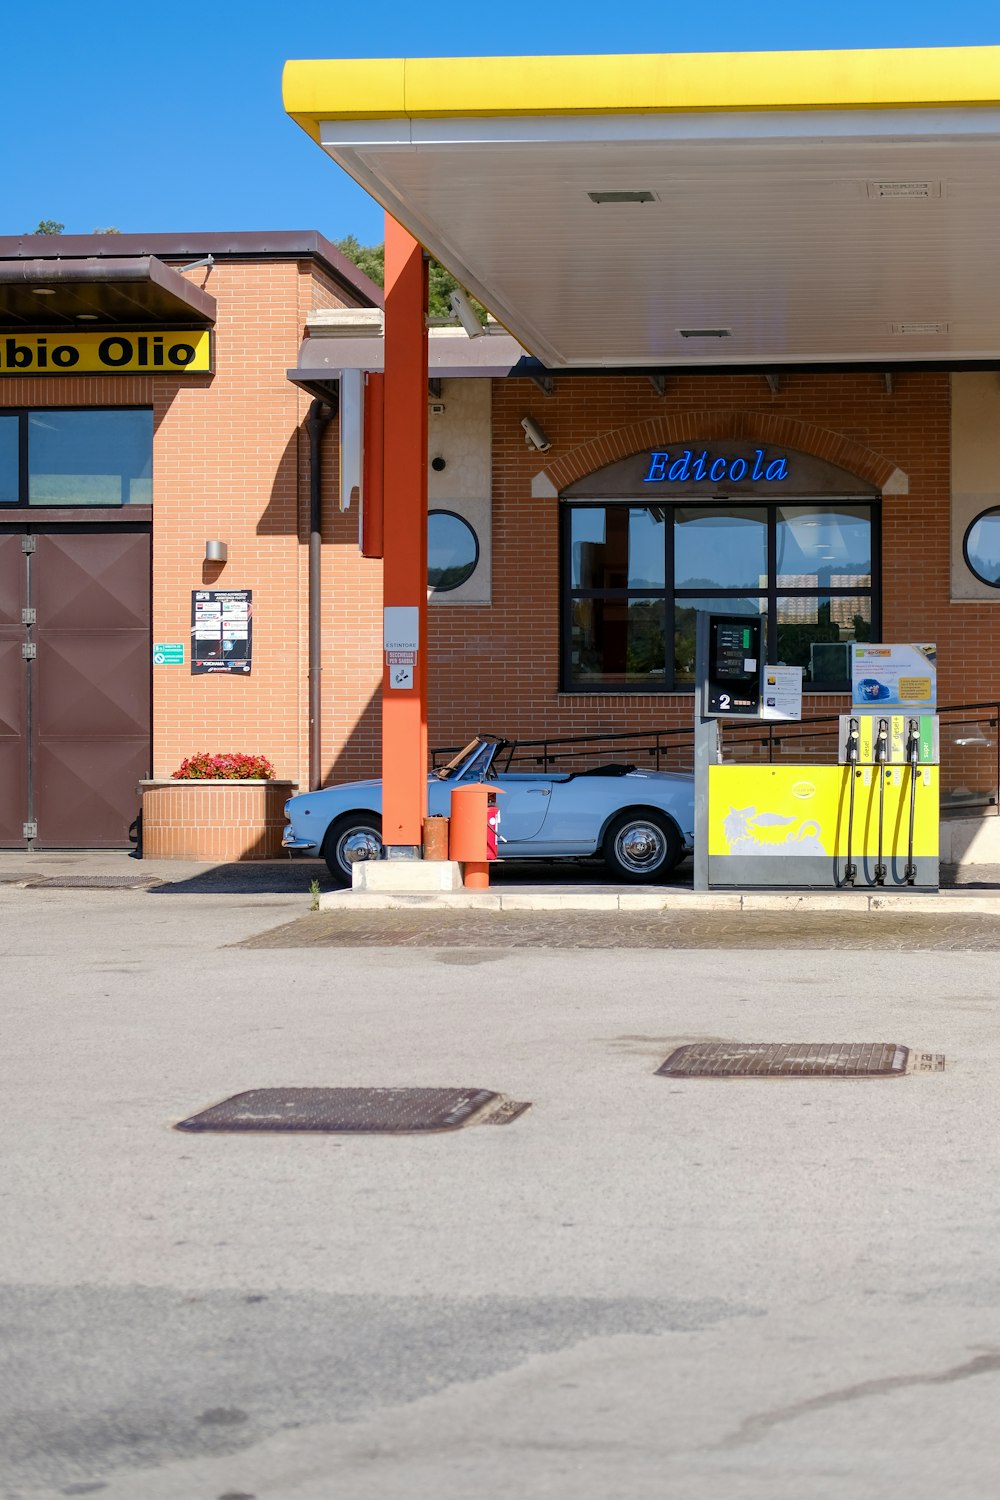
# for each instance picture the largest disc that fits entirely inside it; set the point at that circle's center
(640, 822)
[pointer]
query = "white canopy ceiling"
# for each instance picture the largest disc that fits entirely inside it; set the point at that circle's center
(778, 236)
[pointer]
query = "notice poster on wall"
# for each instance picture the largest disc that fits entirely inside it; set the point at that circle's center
(221, 630)
(894, 676)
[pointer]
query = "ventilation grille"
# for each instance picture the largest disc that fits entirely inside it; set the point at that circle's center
(903, 189)
(918, 328)
(705, 333)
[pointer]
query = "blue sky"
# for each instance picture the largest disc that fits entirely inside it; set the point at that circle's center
(169, 118)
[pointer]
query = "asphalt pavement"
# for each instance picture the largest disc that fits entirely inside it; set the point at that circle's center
(753, 1289)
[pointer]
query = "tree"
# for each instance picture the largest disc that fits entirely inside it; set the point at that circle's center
(109, 230)
(48, 226)
(371, 260)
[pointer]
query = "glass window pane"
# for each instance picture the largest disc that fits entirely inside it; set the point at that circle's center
(90, 457)
(617, 547)
(982, 547)
(618, 641)
(815, 633)
(827, 547)
(685, 628)
(8, 460)
(452, 551)
(720, 549)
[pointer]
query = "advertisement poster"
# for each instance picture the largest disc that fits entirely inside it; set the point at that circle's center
(894, 676)
(221, 630)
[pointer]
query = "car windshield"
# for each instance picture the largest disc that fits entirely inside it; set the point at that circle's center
(475, 757)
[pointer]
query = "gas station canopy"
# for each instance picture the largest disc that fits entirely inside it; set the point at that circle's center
(692, 211)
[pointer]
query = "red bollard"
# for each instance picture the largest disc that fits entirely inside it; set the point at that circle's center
(468, 843)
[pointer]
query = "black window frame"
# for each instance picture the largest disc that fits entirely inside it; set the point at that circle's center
(991, 510)
(22, 503)
(442, 510)
(670, 595)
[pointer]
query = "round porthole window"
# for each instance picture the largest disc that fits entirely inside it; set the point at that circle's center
(982, 547)
(452, 551)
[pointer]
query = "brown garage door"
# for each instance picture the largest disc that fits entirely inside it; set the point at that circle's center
(85, 731)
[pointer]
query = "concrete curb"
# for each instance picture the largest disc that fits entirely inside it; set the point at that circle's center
(944, 904)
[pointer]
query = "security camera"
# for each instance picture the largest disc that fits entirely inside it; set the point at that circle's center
(534, 435)
(465, 313)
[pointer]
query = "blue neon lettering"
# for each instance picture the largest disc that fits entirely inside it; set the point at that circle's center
(685, 467)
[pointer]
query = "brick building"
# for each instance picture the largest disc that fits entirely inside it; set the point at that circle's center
(563, 579)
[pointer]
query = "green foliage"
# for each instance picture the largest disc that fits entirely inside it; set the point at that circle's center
(48, 226)
(371, 260)
(110, 230)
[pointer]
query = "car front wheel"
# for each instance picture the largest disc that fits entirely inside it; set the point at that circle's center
(641, 846)
(354, 837)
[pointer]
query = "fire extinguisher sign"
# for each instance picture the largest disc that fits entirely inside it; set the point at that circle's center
(401, 641)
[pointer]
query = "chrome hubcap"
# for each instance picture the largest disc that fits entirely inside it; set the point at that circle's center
(641, 847)
(361, 844)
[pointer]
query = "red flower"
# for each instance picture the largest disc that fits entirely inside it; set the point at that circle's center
(232, 767)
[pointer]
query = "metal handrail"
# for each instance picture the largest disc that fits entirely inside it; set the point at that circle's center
(661, 749)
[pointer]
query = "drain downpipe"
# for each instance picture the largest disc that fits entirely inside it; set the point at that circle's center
(319, 418)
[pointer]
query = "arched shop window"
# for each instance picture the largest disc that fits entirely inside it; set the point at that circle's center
(981, 547)
(452, 551)
(635, 575)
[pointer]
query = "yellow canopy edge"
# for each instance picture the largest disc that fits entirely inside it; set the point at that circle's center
(427, 87)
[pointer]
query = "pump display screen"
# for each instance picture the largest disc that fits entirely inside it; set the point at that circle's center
(734, 651)
(734, 663)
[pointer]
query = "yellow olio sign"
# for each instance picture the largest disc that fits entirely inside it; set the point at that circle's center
(188, 352)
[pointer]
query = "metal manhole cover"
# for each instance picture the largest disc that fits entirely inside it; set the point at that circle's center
(787, 1060)
(357, 1111)
(95, 882)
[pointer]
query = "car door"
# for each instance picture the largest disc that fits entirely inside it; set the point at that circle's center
(524, 806)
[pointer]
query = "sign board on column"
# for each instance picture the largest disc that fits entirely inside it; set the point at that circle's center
(894, 676)
(401, 642)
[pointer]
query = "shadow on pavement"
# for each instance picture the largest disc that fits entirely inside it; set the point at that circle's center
(294, 876)
(251, 877)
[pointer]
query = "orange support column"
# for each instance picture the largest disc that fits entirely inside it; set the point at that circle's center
(404, 588)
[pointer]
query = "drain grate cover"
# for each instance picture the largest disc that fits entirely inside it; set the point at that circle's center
(787, 1060)
(95, 882)
(357, 1111)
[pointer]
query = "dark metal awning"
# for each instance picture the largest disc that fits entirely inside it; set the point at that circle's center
(63, 293)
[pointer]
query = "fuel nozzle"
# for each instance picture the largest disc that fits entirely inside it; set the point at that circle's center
(853, 742)
(882, 742)
(913, 742)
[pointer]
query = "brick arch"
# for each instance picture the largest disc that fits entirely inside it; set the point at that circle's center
(769, 428)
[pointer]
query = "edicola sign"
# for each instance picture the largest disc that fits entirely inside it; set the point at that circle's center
(188, 351)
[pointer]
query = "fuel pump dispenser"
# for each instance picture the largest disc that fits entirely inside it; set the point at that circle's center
(890, 765)
(869, 821)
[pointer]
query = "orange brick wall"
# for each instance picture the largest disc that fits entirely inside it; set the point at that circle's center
(231, 461)
(497, 668)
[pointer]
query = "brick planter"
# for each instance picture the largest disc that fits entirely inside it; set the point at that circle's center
(215, 821)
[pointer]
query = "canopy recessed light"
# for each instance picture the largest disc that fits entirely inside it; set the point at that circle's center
(43, 291)
(87, 317)
(640, 195)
